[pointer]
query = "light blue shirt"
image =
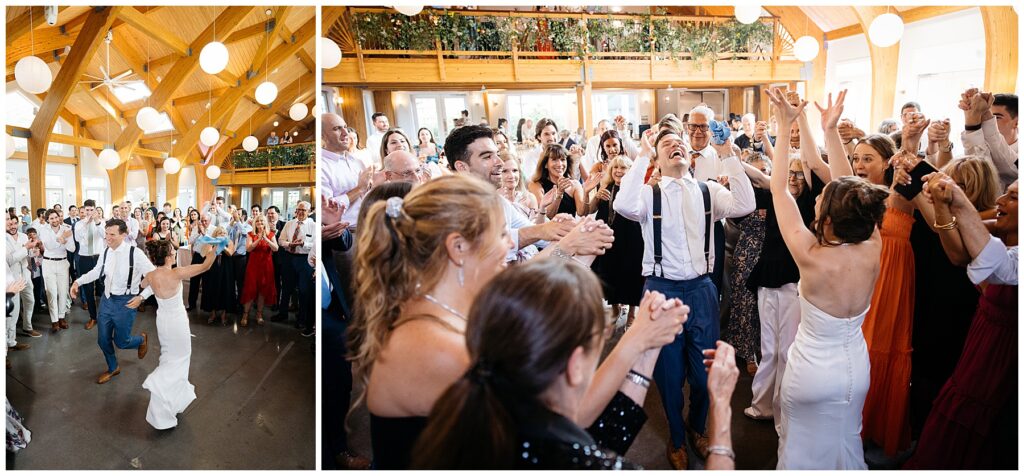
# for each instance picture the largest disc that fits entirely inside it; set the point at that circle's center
(238, 233)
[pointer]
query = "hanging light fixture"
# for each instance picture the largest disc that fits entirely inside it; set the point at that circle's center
(409, 10)
(276, 123)
(250, 143)
(330, 53)
(214, 56)
(747, 13)
(886, 29)
(31, 73)
(172, 165)
(210, 136)
(298, 111)
(212, 172)
(806, 48)
(109, 159)
(147, 118)
(266, 92)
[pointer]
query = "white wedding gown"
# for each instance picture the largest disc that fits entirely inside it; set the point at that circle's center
(823, 392)
(170, 391)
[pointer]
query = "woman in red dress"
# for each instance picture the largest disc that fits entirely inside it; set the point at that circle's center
(259, 278)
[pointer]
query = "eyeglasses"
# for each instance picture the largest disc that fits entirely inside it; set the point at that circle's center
(410, 173)
(797, 175)
(695, 127)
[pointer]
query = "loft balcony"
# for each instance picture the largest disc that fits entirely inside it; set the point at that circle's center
(289, 164)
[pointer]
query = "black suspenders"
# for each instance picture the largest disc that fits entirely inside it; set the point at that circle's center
(131, 267)
(659, 270)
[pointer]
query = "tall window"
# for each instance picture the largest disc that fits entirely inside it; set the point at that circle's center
(436, 112)
(609, 105)
(855, 76)
(535, 106)
(21, 111)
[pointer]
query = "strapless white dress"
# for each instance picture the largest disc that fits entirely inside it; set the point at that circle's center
(822, 393)
(170, 391)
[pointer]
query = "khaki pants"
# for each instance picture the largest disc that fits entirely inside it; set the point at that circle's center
(56, 275)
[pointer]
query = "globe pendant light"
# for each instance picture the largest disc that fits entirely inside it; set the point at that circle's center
(409, 10)
(10, 145)
(210, 136)
(109, 159)
(31, 73)
(250, 143)
(148, 119)
(172, 165)
(806, 48)
(747, 14)
(298, 111)
(214, 57)
(266, 93)
(212, 172)
(886, 30)
(330, 53)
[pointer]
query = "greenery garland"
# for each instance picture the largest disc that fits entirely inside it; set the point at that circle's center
(279, 156)
(703, 41)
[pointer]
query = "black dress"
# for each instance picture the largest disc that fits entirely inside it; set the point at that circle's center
(568, 203)
(775, 267)
(392, 440)
(219, 286)
(943, 310)
(621, 267)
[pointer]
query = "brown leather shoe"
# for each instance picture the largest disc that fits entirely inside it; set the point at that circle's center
(19, 346)
(677, 458)
(350, 461)
(700, 443)
(54, 328)
(89, 325)
(144, 346)
(33, 333)
(106, 376)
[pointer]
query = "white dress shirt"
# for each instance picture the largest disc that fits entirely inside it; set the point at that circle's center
(987, 141)
(51, 247)
(82, 232)
(133, 230)
(592, 154)
(307, 231)
(338, 175)
(996, 264)
(218, 216)
(530, 160)
(115, 268)
(17, 256)
(373, 148)
(707, 166)
(682, 211)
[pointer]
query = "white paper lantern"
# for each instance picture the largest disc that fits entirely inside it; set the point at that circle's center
(109, 159)
(806, 48)
(886, 29)
(214, 57)
(148, 119)
(330, 53)
(298, 111)
(276, 123)
(747, 14)
(295, 134)
(210, 136)
(315, 110)
(172, 165)
(250, 143)
(32, 75)
(409, 10)
(10, 145)
(266, 93)
(212, 172)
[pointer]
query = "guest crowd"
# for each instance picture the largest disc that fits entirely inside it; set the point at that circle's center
(867, 284)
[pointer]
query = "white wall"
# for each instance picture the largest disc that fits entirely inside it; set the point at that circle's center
(138, 186)
(58, 176)
(848, 66)
(187, 188)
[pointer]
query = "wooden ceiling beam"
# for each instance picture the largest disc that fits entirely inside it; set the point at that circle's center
(52, 40)
(329, 16)
(25, 23)
(182, 70)
(260, 116)
(909, 16)
(304, 57)
(243, 34)
(264, 48)
(155, 30)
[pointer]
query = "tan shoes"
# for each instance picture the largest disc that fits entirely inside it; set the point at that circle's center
(89, 325)
(144, 346)
(106, 376)
(677, 458)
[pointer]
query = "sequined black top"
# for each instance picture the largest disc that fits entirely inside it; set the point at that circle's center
(548, 440)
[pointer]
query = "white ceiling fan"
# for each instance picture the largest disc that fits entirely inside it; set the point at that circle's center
(112, 82)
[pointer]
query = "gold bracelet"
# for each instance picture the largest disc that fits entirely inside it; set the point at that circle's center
(948, 226)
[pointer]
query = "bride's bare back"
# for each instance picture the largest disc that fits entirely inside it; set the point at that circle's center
(165, 280)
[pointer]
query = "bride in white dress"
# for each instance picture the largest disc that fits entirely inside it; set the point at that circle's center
(170, 391)
(828, 373)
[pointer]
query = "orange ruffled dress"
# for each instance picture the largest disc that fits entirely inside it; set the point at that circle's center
(887, 331)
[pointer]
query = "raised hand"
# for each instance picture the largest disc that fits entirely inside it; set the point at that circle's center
(575, 150)
(565, 184)
(589, 237)
(593, 181)
(785, 110)
(980, 107)
(720, 364)
(646, 144)
(760, 131)
(604, 194)
(915, 128)
(938, 188)
(332, 211)
(830, 115)
(938, 132)
(548, 198)
(659, 320)
(793, 98)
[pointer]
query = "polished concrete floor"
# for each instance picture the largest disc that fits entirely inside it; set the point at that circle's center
(254, 407)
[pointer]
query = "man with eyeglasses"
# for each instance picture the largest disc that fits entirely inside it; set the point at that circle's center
(297, 240)
(402, 166)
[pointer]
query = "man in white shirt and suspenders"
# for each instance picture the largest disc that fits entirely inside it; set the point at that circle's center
(122, 267)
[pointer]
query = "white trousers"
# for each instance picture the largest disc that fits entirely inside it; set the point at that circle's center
(779, 309)
(56, 275)
(25, 301)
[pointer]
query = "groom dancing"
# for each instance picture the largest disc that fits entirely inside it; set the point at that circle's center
(121, 266)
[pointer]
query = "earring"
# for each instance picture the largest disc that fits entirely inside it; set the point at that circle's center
(462, 275)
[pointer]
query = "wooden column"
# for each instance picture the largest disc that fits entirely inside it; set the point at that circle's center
(382, 103)
(257, 198)
(118, 183)
(236, 195)
(487, 110)
(584, 106)
(763, 103)
(884, 64)
(172, 188)
(76, 129)
(150, 178)
(353, 111)
(1000, 49)
(736, 101)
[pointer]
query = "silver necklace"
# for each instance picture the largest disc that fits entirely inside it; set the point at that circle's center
(445, 307)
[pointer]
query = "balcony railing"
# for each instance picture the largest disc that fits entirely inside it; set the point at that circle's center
(384, 33)
(275, 157)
